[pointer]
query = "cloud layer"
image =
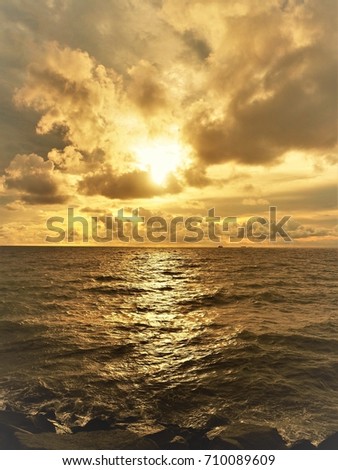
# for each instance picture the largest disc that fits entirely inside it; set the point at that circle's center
(87, 87)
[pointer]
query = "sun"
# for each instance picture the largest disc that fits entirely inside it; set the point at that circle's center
(160, 157)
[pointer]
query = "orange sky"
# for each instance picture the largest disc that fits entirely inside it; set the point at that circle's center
(175, 106)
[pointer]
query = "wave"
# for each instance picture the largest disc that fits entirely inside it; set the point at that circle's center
(107, 290)
(223, 296)
(103, 351)
(314, 344)
(109, 278)
(218, 297)
(17, 328)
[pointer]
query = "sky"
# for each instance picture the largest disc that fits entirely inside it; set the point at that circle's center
(171, 106)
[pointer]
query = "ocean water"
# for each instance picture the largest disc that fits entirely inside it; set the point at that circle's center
(172, 335)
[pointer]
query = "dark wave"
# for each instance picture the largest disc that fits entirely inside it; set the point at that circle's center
(297, 341)
(109, 278)
(218, 297)
(107, 290)
(104, 350)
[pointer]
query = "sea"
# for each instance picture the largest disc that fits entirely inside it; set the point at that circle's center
(172, 335)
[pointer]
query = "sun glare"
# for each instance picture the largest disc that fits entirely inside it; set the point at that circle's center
(160, 157)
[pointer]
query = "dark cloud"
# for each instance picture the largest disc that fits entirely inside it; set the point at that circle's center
(200, 47)
(73, 94)
(145, 88)
(35, 180)
(33, 199)
(196, 176)
(18, 134)
(136, 184)
(17, 128)
(297, 111)
(270, 80)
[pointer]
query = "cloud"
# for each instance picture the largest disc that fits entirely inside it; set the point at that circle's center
(331, 159)
(315, 198)
(94, 108)
(18, 233)
(93, 210)
(195, 175)
(198, 45)
(255, 202)
(74, 94)
(15, 205)
(35, 199)
(135, 184)
(68, 160)
(35, 180)
(146, 89)
(2, 184)
(270, 78)
(303, 232)
(313, 205)
(117, 34)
